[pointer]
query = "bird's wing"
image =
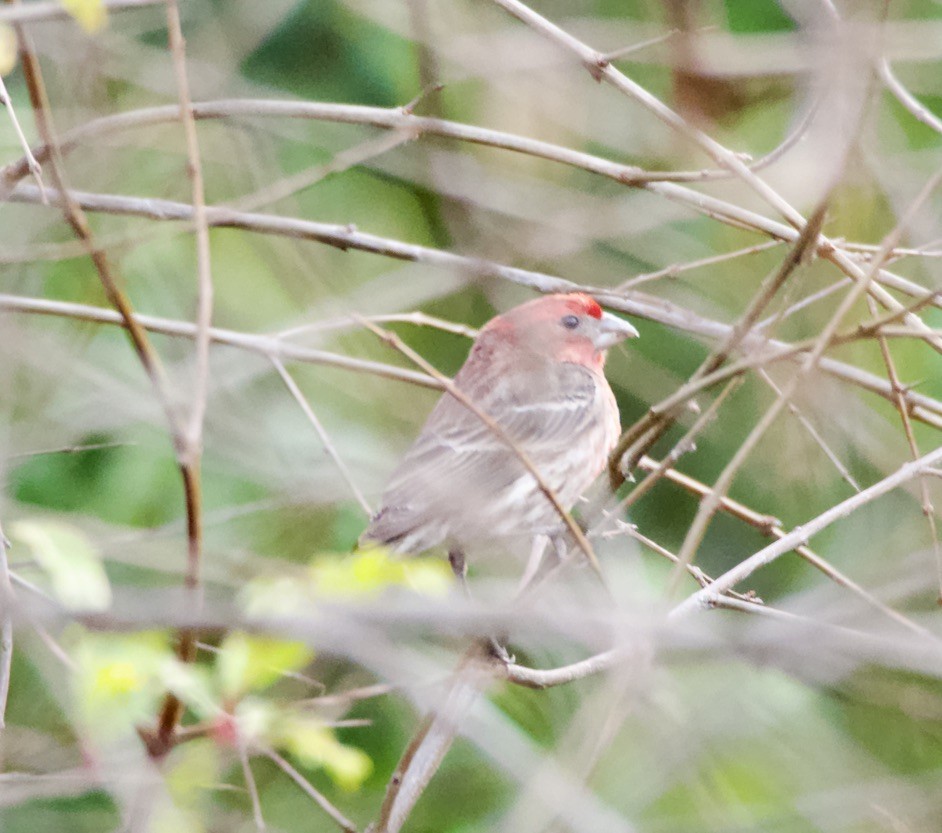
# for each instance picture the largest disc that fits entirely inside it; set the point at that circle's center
(544, 413)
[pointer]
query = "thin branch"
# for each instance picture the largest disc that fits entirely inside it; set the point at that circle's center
(204, 304)
(345, 824)
(69, 449)
(6, 628)
(322, 433)
(645, 432)
(188, 467)
(395, 118)
(771, 527)
(800, 535)
(710, 504)
(34, 167)
(927, 508)
(676, 269)
(263, 345)
(813, 432)
(419, 319)
(922, 407)
(46, 10)
(906, 98)
(601, 70)
(250, 784)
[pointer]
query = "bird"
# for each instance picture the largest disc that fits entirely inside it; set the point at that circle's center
(538, 372)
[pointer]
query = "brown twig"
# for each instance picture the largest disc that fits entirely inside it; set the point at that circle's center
(927, 508)
(800, 535)
(643, 434)
(6, 628)
(771, 527)
(345, 824)
(189, 468)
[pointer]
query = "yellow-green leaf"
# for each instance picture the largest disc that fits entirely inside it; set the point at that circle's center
(90, 14)
(192, 771)
(117, 678)
(368, 572)
(316, 746)
(250, 663)
(192, 685)
(70, 560)
(7, 49)
(278, 596)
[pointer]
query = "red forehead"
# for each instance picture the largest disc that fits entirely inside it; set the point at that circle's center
(583, 305)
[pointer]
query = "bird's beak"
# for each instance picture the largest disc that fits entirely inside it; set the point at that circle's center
(611, 330)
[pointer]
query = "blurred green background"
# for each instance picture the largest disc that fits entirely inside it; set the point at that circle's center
(783, 736)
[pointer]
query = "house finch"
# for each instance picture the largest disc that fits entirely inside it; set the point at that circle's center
(537, 371)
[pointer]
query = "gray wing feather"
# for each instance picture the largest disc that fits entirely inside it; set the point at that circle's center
(457, 461)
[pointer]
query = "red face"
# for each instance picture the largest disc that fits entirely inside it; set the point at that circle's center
(569, 328)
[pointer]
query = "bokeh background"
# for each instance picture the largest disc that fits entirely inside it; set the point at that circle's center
(325, 660)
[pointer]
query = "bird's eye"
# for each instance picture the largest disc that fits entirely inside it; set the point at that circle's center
(570, 322)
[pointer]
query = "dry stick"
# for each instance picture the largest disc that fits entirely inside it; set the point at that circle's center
(922, 407)
(420, 319)
(191, 437)
(54, 10)
(428, 746)
(349, 158)
(495, 428)
(772, 527)
(6, 628)
(34, 167)
(695, 572)
(927, 508)
(396, 118)
(250, 785)
(322, 433)
(189, 470)
(68, 449)
(815, 297)
(649, 429)
(906, 98)
(682, 446)
(263, 345)
(813, 432)
(204, 304)
(711, 502)
(801, 534)
(345, 824)
(602, 70)
(675, 269)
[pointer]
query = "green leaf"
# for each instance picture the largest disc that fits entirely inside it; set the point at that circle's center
(117, 680)
(370, 571)
(91, 15)
(70, 560)
(251, 663)
(192, 685)
(316, 746)
(194, 770)
(8, 49)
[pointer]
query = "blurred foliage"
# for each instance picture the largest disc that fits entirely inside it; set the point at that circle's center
(93, 501)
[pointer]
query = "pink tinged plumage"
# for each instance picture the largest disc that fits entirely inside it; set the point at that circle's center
(537, 370)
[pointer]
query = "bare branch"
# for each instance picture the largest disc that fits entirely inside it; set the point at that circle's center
(800, 535)
(322, 433)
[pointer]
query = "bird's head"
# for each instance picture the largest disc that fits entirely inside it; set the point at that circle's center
(568, 328)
